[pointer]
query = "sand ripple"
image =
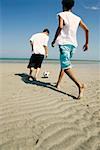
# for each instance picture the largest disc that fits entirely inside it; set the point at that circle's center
(34, 117)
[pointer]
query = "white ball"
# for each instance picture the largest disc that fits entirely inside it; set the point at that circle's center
(46, 74)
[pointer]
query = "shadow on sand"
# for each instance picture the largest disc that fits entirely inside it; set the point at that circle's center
(25, 78)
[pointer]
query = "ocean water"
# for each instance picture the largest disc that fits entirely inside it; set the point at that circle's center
(26, 60)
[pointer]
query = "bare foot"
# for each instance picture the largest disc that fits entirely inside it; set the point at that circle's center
(81, 91)
(31, 77)
(34, 78)
(57, 86)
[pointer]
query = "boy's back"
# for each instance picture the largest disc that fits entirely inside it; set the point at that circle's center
(68, 33)
(40, 40)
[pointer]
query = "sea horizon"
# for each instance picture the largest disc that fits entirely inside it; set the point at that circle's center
(49, 60)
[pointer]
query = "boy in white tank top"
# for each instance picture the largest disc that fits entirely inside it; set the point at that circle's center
(66, 38)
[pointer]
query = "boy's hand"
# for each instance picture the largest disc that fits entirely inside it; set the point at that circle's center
(46, 55)
(85, 47)
(52, 44)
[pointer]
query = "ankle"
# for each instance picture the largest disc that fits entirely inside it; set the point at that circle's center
(57, 84)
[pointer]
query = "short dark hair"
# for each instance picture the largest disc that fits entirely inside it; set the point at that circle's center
(68, 4)
(46, 30)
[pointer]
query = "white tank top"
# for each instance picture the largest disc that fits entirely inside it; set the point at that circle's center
(69, 31)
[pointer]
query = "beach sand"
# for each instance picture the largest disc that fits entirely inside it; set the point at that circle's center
(34, 115)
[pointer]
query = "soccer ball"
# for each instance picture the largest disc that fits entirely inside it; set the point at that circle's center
(46, 74)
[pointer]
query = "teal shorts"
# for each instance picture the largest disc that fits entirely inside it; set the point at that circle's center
(66, 53)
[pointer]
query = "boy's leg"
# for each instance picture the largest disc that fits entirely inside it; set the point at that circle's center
(30, 73)
(81, 86)
(60, 77)
(36, 73)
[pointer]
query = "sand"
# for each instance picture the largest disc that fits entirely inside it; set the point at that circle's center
(34, 115)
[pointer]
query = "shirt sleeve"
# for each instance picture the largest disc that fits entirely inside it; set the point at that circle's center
(32, 38)
(61, 15)
(79, 19)
(46, 41)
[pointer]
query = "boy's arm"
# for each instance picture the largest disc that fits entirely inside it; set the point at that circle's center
(84, 27)
(46, 51)
(60, 26)
(31, 44)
